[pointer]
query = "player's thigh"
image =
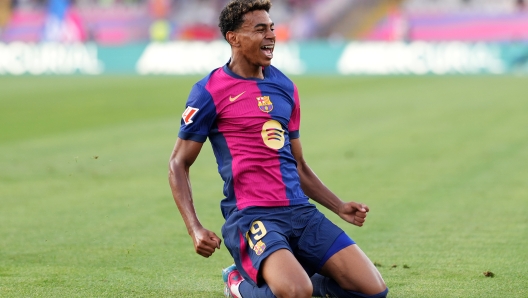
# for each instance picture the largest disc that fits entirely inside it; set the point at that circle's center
(354, 271)
(285, 276)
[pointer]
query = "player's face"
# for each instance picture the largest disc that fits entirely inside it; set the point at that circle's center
(257, 38)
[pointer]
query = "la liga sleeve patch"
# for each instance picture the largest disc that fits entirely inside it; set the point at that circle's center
(188, 114)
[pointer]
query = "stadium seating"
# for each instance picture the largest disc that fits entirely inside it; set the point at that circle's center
(117, 22)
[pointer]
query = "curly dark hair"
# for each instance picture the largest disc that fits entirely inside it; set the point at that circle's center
(232, 16)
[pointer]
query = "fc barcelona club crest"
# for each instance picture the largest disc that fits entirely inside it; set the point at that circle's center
(265, 104)
(259, 247)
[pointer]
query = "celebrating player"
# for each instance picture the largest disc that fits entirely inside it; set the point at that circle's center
(282, 245)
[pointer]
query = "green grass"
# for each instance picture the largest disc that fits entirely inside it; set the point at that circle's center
(86, 209)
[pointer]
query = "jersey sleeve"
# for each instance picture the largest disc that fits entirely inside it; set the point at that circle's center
(295, 119)
(199, 115)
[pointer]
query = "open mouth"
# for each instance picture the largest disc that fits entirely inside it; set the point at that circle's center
(268, 50)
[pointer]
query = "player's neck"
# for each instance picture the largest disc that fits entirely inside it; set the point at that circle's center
(246, 70)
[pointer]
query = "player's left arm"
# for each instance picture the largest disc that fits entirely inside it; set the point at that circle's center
(314, 188)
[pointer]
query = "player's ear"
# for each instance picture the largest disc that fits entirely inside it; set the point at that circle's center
(232, 38)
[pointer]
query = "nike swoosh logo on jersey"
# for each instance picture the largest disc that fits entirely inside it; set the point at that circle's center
(235, 98)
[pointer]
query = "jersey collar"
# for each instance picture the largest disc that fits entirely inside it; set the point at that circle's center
(234, 75)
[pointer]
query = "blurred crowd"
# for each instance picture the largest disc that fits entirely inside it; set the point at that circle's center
(128, 21)
(456, 20)
(118, 21)
(464, 6)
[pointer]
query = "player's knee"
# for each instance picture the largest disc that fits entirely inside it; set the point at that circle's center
(378, 289)
(371, 289)
(294, 291)
(352, 294)
(381, 294)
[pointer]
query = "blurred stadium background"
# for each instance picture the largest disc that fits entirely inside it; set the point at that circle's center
(318, 36)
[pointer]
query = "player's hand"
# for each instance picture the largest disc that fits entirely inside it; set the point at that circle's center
(205, 242)
(354, 213)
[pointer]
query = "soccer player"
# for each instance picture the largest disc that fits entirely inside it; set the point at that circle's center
(282, 245)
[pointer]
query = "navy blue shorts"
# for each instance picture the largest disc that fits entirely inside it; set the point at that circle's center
(254, 233)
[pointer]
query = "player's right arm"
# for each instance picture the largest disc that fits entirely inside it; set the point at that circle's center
(183, 156)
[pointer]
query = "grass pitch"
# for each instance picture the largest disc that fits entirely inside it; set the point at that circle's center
(86, 209)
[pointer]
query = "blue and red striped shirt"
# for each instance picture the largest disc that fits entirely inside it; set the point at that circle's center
(250, 123)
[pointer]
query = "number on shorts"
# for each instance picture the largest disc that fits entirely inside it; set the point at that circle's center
(258, 230)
